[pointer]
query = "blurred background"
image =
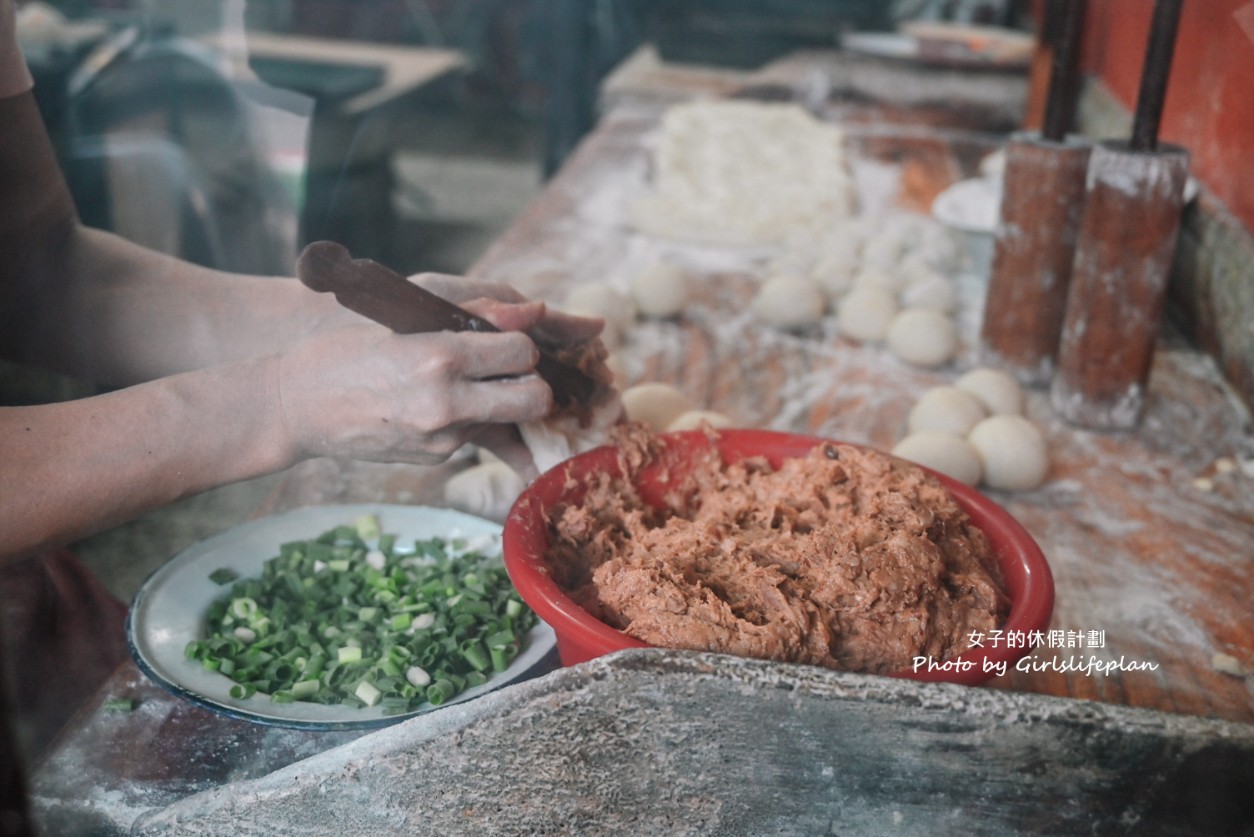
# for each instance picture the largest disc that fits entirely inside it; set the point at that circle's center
(233, 132)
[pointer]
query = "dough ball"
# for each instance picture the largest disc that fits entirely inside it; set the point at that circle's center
(835, 272)
(880, 276)
(614, 363)
(846, 238)
(1012, 450)
(939, 246)
(948, 453)
(484, 456)
(923, 336)
(933, 291)
(606, 301)
(947, 409)
(793, 261)
(999, 391)
(886, 246)
(693, 419)
(790, 302)
(865, 313)
(660, 290)
(487, 490)
(655, 404)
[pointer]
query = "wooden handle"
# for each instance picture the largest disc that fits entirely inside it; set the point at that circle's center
(381, 294)
(389, 299)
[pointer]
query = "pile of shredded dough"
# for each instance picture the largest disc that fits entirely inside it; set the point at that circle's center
(846, 558)
(745, 172)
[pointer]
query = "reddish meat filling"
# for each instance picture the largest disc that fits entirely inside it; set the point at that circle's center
(846, 558)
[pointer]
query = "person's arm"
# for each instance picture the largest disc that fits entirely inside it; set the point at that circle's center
(287, 374)
(91, 304)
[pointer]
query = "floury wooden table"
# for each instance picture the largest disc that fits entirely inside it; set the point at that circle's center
(1149, 533)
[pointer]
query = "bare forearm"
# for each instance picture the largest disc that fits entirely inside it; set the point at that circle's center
(68, 470)
(124, 314)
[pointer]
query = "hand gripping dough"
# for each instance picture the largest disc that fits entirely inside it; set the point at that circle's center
(865, 313)
(790, 302)
(923, 336)
(999, 391)
(948, 453)
(487, 490)
(1012, 450)
(655, 404)
(947, 409)
(660, 290)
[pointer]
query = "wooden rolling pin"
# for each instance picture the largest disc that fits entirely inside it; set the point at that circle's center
(1042, 203)
(1123, 257)
(384, 296)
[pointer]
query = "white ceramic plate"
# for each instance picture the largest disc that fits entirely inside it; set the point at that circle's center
(168, 611)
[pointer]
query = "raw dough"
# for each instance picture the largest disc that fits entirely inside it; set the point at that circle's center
(1013, 452)
(660, 290)
(693, 419)
(865, 312)
(746, 173)
(606, 301)
(655, 405)
(790, 302)
(948, 453)
(923, 336)
(880, 276)
(931, 291)
(835, 271)
(998, 391)
(885, 247)
(487, 490)
(947, 409)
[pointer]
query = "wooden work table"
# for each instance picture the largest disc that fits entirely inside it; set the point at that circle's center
(1152, 565)
(1150, 546)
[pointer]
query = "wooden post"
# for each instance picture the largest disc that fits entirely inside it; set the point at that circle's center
(1118, 284)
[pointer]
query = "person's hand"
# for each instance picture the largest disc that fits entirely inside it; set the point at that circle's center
(362, 392)
(509, 310)
(358, 391)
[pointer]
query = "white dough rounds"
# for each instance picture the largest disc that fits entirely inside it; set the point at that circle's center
(694, 419)
(660, 290)
(605, 301)
(975, 432)
(656, 405)
(790, 302)
(946, 409)
(1012, 450)
(948, 453)
(865, 313)
(923, 336)
(487, 490)
(998, 391)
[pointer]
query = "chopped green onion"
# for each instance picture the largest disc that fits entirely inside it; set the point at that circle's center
(349, 618)
(223, 575)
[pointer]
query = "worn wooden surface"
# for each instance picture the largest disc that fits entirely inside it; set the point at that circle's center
(1160, 568)
(660, 742)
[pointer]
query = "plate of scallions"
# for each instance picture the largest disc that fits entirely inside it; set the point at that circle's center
(337, 617)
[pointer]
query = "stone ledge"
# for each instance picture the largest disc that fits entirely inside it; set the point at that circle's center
(662, 742)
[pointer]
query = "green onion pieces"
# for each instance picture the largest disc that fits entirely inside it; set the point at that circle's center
(349, 618)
